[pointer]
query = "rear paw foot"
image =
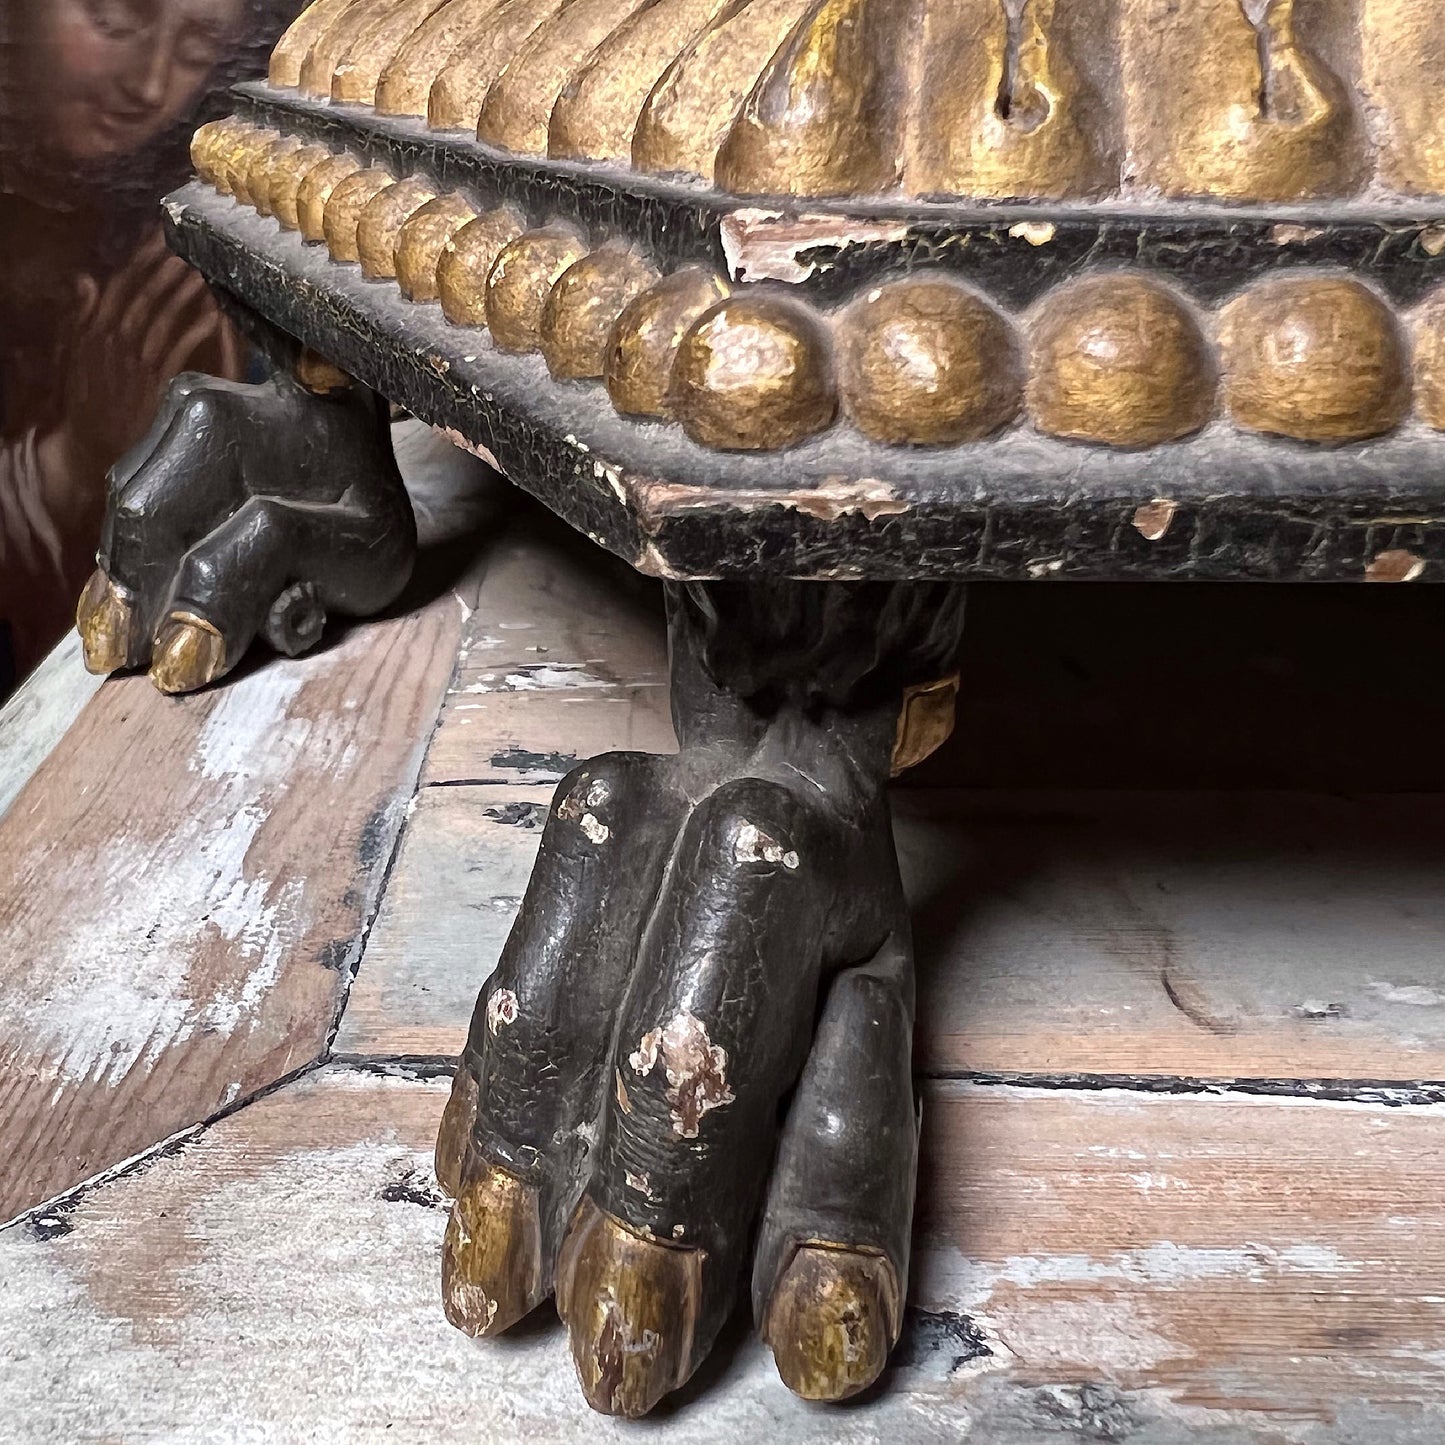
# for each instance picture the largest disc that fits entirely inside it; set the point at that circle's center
(248, 511)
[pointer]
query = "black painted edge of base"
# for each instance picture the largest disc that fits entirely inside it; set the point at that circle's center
(1221, 507)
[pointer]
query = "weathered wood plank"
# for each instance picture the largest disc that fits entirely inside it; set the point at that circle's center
(186, 883)
(35, 719)
(1257, 935)
(1237, 1253)
(1222, 936)
(566, 658)
(1092, 1267)
(450, 900)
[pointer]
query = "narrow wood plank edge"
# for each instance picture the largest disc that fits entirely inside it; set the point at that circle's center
(59, 1205)
(40, 713)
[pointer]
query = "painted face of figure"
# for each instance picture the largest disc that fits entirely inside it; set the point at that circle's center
(105, 77)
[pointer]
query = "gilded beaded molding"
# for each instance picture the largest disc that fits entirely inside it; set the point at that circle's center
(1112, 358)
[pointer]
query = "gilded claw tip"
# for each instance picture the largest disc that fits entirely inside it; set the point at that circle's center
(105, 619)
(189, 653)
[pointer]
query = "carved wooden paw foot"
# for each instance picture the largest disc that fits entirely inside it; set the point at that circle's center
(247, 511)
(692, 1062)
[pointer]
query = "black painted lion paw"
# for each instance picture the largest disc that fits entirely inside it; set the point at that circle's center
(247, 511)
(694, 1054)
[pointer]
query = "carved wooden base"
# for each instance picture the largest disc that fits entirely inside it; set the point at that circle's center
(247, 511)
(693, 1060)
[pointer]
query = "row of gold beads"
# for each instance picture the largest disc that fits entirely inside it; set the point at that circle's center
(1115, 358)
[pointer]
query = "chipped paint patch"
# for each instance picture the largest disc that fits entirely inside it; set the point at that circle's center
(832, 500)
(1396, 565)
(501, 1010)
(644, 1057)
(474, 448)
(623, 1102)
(613, 477)
(540, 677)
(640, 1182)
(696, 1070)
(1153, 519)
(762, 245)
(650, 561)
(1145, 1183)
(1036, 233)
(1432, 240)
(752, 845)
(579, 807)
(1287, 233)
(1046, 568)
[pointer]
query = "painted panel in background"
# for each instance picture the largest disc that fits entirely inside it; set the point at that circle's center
(98, 99)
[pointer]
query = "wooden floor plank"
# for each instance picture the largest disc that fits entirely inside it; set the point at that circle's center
(39, 713)
(1206, 935)
(1091, 1267)
(450, 901)
(1285, 1256)
(1203, 936)
(566, 658)
(186, 881)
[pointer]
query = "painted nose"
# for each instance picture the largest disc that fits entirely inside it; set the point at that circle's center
(152, 57)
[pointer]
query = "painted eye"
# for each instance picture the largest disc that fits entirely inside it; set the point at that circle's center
(197, 50)
(115, 18)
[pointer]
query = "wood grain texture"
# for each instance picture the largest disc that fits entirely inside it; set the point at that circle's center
(1265, 937)
(186, 883)
(1269, 936)
(450, 900)
(1233, 1253)
(36, 717)
(1090, 1267)
(565, 658)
